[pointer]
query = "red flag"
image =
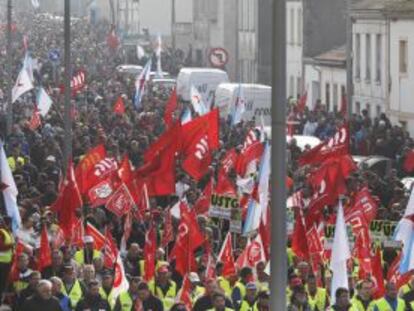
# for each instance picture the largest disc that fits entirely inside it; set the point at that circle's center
(365, 203)
(184, 295)
(35, 121)
(199, 138)
(299, 241)
(188, 240)
(170, 107)
(328, 182)
(224, 185)
(168, 234)
(252, 254)
(86, 167)
(344, 106)
(127, 231)
(264, 231)
(159, 171)
(302, 102)
(229, 160)
(408, 164)
(98, 237)
(68, 201)
(394, 272)
(202, 205)
(112, 39)
(110, 250)
(20, 249)
(377, 275)
(226, 257)
(336, 146)
(119, 107)
(149, 253)
(100, 194)
(44, 258)
(121, 202)
(252, 151)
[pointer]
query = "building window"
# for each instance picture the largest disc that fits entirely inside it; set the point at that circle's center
(300, 27)
(358, 56)
(378, 56)
(292, 26)
(358, 107)
(335, 97)
(327, 96)
(291, 86)
(378, 111)
(368, 108)
(299, 87)
(368, 57)
(403, 57)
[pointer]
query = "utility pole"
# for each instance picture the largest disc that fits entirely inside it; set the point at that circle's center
(9, 69)
(67, 148)
(349, 59)
(173, 24)
(278, 262)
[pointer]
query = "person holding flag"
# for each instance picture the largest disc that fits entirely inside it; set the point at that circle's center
(163, 287)
(87, 254)
(127, 300)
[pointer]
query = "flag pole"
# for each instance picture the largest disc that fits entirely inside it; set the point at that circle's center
(9, 66)
(278, 263)
(67, 98)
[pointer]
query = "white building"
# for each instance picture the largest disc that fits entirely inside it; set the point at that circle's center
(325, 79)
(294, 49)
(402, 72)
(214, 26)
(383, 64)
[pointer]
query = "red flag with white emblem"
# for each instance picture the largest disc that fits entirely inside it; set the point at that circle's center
(226, 257)
(149, 253)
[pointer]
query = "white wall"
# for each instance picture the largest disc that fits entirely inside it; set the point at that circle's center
(312, 84)
(369, 93)
(294, 41)
(402, 87)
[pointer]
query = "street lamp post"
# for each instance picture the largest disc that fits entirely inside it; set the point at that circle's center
(9, 67)
(67, 96)
(278, 264)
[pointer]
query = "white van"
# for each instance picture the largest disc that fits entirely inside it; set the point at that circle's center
(205, 80)
(257, 99)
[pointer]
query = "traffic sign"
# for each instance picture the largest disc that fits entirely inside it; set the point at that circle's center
(54, 55)
(218, 57)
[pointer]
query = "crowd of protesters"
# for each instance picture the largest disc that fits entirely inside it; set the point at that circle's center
(76, 279)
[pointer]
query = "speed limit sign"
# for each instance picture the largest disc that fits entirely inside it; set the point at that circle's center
(218, 57)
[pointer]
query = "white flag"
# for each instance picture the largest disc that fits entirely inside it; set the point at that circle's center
(257, 210)
(239, 106)
(197, 101)
(158, 51)
(35, 4)
(140, 52)
(11, 192)
(44, 102)
(340, 254)
(28, 64)
(23, 84)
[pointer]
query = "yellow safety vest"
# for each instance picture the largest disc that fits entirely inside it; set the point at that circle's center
(319, 300)
(383, 305)
(290, 256)
(262, 286)
(225, 285)
(158, 264)
(80, 258)
(242, 289)
(126, 301)
(246, 307)
(225, 309)
(75, 293)
(405, 289)
(357, 304)
(111, 298)
(169, 298)
(197, 293)
(7, 256)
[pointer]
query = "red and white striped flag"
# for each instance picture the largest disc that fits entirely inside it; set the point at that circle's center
(35, 121)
